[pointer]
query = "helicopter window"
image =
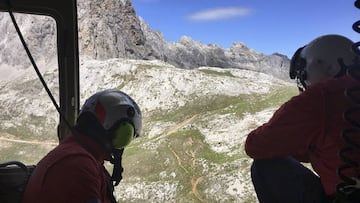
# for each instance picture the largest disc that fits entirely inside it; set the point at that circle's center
(28, 122)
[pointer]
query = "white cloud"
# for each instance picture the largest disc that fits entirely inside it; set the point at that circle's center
(220, 14)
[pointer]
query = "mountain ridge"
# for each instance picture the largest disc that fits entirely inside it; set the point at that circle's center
(111, 29)
(191, 148)
(198, 105)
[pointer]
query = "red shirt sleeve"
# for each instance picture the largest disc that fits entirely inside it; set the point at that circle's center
(291, 130)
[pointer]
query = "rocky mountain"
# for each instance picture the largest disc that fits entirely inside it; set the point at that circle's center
(133, 38)
(195, 124)
(199, 101)
(111, 29)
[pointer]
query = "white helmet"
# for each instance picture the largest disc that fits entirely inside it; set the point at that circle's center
(112, 117)
(322, 59)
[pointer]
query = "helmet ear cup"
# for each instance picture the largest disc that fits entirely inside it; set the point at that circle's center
(123, 135)
(296, 63)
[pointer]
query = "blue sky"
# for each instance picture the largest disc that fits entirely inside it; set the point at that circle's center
(267, 26)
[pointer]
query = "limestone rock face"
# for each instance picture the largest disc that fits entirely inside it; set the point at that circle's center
(111, 29)
(39, 33)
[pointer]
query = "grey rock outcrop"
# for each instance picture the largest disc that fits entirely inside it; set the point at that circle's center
(39, 33)
(111, 29)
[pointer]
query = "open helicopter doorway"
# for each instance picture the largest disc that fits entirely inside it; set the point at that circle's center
(61, 73)
(28, 124)
(64, 12)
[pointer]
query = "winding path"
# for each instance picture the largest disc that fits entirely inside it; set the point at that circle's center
(27, 141)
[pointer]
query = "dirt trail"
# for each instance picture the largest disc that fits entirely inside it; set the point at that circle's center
(4, 137)
(194, 180)
(27, 141)
(180, 125)
(194, 183)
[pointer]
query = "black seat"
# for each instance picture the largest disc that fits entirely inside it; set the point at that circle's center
(14, 176)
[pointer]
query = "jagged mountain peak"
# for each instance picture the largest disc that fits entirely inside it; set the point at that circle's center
(111, 29)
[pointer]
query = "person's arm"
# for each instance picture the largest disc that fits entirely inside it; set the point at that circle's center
(291, 129)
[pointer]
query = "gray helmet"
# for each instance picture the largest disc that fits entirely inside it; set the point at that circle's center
(117, 114)
(319, 60)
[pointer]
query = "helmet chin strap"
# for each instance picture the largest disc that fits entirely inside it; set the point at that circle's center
(301, 84)
(115, 159)
(343, 67)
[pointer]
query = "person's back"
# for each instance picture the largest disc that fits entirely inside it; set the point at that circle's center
(326, 160)
(307, 128)
(325, 129)
(69, 173)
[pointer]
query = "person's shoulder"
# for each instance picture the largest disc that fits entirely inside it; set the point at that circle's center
(79, 164)
(339, 84)
(69, 154)
(82, 160)
(335, 84)
(74, 153)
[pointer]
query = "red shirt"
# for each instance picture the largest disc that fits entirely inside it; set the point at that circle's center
(308, 127)
(69, 173)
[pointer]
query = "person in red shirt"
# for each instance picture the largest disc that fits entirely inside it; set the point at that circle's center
(307, 128)
(73, 171)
